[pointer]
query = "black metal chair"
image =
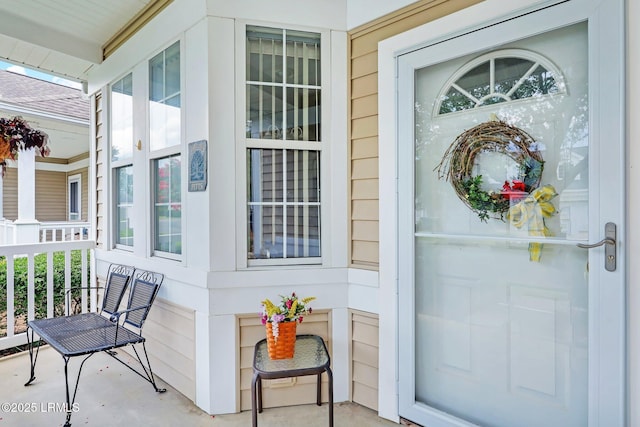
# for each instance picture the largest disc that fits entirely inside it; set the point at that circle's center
(89, 333)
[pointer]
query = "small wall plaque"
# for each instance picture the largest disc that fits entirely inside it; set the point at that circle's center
(198, 165)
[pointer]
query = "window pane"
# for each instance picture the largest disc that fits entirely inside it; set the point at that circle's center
(264, 55)
(73, 197)
(168, 205)
(265, 232)
(540, 82)
(264, 112)
(303, 231)
(122, 119)
(265, 175)
(509, 71)
(303, 176)
(275, 201)
(172, 70)
(303, 58)
(124, 205)
(476, 81)
(164, 98)
(303, 114)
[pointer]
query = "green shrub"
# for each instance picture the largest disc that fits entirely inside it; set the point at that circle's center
(40, 279)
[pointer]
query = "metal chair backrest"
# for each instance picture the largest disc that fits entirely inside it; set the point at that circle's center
(144, 288)
(117, 281)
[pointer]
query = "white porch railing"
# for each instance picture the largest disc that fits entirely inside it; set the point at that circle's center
(7, 230)
(39, 252)
(64, 231)
(48, 231)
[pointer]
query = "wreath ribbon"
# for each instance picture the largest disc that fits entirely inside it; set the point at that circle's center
(532, 211)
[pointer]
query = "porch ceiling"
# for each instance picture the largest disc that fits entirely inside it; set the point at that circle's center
(62, 37)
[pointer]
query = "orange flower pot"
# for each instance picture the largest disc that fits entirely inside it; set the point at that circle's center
(284, 346)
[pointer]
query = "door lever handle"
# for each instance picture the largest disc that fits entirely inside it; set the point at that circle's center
(605, 241)
(609, 243)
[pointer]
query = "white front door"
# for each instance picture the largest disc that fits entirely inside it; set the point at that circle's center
(510, 153)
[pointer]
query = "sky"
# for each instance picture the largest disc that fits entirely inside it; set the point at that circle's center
(38, 75)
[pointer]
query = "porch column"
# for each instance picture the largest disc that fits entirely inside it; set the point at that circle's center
(26, 226)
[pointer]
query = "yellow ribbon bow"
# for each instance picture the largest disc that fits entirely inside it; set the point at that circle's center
(532, 211)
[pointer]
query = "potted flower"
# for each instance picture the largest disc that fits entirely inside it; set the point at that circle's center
(15, 135)
(281, 321)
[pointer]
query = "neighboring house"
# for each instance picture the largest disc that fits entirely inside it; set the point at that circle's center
(324, 125)
(61, 179)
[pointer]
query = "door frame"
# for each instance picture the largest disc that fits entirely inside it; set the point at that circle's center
(608, 47)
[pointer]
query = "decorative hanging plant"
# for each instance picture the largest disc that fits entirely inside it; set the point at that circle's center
(495, 136)
(16, 135)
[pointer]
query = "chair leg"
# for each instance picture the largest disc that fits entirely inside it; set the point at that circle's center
(147, 373)
(33, 356)
(71, 399)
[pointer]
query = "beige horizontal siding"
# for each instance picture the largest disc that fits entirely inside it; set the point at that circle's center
(364, 359)
(363, 114)
(51, 195)
(170, 334)
(299, 391)
(364, 148)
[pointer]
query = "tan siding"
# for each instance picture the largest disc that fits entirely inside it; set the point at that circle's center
(99, 141)
(10, 194)
(364, 86)
(364, 148)
(365, 169)
(363, 108)
(365, 231)
(365, 253)
(170, 334)
(51, 196)
(362, 65)
(364, 359)
(365, 209)
(365, 188)
(280, 393)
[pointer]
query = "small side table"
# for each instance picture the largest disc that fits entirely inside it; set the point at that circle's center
(311, 358)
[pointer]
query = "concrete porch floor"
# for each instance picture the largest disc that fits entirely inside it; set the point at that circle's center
(111, 395)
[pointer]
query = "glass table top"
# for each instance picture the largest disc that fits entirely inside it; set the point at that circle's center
(310, 353)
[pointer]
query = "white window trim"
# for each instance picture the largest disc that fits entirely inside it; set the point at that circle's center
(323, 146)
(151, 156)
(113, 165)
(74, 179)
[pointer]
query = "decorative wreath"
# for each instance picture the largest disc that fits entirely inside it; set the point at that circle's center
(497, 136)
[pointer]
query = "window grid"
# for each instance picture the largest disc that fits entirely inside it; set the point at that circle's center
(283, 144)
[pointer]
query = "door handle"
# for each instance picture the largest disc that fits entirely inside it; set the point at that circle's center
(609, 243)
